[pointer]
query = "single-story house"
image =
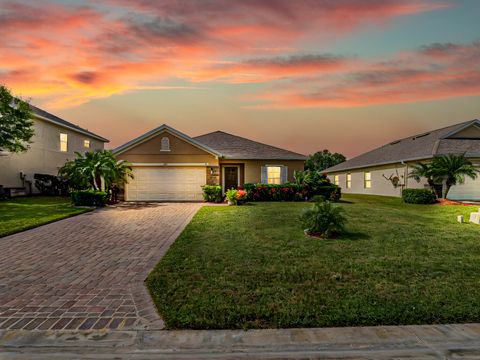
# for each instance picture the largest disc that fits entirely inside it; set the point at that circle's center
(384, 171)
(169, 165)
(55, 141)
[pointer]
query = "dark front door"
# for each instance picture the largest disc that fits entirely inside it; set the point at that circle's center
(231, 177)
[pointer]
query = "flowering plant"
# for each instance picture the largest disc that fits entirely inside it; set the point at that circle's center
(241, 194)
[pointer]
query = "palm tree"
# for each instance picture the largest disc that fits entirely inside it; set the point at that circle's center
(452, 169)
(422, 170)
(97, 170)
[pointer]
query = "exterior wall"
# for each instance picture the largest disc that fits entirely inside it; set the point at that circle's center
(180, 152)
(379, 185)
(44, 155)
(251, 171)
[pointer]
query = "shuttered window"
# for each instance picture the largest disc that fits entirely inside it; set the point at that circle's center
(274, 174)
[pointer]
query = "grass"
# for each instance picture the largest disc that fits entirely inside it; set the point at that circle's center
(22, 213)
(252, 267)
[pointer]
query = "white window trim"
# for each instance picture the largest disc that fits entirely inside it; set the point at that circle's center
(223, 175)
(347, 182)
(168, 143)
(63, 142)
(365, 180)
(281, 169)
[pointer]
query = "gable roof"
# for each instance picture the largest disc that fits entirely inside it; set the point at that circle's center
(417, 147)
(44, 115)
(154, 132)
(237, 147)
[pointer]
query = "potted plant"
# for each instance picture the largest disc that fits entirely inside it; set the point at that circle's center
(231, 196)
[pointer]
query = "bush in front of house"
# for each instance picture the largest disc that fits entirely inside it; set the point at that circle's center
(212, 193)
(51, 184)
(290, 192)
(419, 196)
(89, 198)
(323, 219)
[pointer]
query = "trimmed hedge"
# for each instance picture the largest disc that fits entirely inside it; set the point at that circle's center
(212, 193)
(289, 192)
(89, 198)
(419, 196)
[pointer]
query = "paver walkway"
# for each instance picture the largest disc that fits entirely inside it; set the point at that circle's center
(87, 272)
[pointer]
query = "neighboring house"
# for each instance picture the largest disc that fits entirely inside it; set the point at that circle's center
(377, 171)
(55, 141)
(169, 165)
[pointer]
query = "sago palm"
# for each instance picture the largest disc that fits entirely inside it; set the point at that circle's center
(422, 170)
(453, 169)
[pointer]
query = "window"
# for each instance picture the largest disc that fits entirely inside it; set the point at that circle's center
(86, 144)
(165, 144)
(63, 142)
(367, 180)
(274, 174)
(336, 180)
(349, 181)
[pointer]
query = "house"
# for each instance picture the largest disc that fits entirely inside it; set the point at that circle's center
(55, 141)
(169, 165)
(384, 171)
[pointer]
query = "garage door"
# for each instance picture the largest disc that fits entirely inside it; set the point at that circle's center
(166, 183)
(470, 190)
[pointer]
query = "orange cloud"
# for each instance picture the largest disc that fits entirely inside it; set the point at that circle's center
(66, 55)
(432, 72)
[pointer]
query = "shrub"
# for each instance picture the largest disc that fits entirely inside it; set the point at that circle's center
(419, 196)
(212, 193)
(232, 196)
(290, 192)
(323, 219)
(89, 198)
(51, 184)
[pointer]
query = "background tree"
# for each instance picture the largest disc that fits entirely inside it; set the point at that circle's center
(16, 122)
(452, 169)
(97, 170)
(322, 160)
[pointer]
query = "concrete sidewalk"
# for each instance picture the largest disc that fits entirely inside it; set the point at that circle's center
(383, 342)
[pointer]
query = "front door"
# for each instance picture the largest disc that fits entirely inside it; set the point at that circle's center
(230, 174)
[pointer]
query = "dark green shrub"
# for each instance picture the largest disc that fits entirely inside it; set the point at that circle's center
(323, 219)
(212, 193)
(290, 192)
(419, 196)
(89, 198)
(51, 184)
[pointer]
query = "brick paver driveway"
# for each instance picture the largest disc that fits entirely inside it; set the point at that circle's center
(87, 272)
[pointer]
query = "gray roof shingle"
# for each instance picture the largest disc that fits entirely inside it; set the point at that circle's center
(237, 147)
(416, 147)
(59, 121)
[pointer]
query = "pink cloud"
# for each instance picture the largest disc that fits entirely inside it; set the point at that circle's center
(68, 55)
(430, 73)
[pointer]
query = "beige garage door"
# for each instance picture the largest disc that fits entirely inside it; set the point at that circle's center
(166, 183)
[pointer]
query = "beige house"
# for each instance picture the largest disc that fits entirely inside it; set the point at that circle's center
(169, 165)
(55, 141)
(384, 171)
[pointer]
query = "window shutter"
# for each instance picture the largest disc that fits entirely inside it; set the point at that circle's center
(284, 174)
(264, 176)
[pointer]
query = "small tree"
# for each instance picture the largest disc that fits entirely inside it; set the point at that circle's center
(423, 170)
(452, 169)
(97, 170)
(322, 160)
(16, 124)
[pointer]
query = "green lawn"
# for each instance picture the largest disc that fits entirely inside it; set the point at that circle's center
(22, 213)
(252, 267)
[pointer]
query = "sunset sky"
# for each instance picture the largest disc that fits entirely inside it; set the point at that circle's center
(305, 75)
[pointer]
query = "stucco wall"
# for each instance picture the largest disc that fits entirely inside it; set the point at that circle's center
(252, 168)
(44, 155)
(379, 185)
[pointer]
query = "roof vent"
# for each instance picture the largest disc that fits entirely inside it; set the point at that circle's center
(395, 142)
(420, 136)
